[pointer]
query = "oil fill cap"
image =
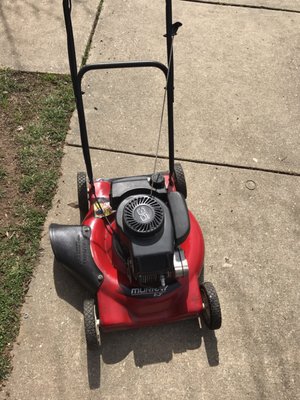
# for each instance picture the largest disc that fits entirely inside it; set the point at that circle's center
(157, 181)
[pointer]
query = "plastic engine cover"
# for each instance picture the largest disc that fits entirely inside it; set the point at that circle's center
(146, 231)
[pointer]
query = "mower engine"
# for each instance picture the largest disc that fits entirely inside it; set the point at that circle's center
(146, 241)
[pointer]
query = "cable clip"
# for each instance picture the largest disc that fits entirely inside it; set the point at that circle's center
(175, 28)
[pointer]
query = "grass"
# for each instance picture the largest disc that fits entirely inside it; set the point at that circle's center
(35, 110)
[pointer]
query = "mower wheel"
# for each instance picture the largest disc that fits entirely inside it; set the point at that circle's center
(201, 276)
(91, 324)
(82, 195)
(212, 311)
(180, 180)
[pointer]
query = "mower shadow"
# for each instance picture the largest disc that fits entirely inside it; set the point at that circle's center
(67, 287)
(93, 368)
(157, 344)
(211, 345)
(150, 345)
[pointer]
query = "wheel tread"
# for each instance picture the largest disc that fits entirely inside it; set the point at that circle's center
(82, 195)
(89, 324)
(180, 182)
(215, 321)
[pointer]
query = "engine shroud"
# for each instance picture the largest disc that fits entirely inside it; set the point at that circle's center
(147, 237)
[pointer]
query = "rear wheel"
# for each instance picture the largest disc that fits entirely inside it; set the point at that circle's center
(91, 324)
(180, 179)
(212, 311)
(82, 195)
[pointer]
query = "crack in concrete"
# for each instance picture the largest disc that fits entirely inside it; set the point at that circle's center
(91, 36)
(211, 163)
(222, 3)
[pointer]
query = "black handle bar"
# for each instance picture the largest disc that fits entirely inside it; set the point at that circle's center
(78, 75)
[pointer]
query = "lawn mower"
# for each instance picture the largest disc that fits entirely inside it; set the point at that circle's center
(138, 250)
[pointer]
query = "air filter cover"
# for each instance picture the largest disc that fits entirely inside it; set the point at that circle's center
(143, 215)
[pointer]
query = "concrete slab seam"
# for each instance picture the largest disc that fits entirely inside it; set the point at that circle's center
(203, 162)
(221, 3)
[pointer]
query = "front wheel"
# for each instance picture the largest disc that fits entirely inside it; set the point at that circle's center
(212, 310)
(91, 324)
